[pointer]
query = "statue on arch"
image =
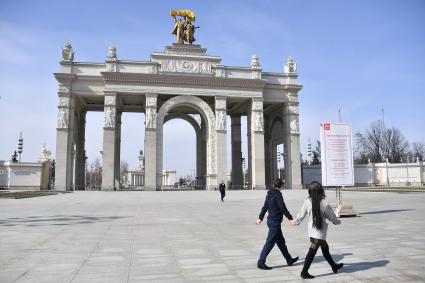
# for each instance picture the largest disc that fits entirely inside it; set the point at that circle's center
(178, 31)
(184, 30)
(67, 53)
(290, 66)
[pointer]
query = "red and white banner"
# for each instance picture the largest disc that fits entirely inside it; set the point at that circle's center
(336, 154)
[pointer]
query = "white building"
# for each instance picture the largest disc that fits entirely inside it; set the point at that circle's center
(135, 179)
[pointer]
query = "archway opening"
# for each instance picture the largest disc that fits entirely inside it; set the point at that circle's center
(131, 150)
(179, 155)
(93, 150)
(277, 151)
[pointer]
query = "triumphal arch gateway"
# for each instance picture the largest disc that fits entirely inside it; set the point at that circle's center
(181, 82)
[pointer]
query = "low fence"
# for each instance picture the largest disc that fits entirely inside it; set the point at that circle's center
(376, 174)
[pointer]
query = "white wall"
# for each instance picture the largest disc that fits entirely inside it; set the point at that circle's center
(24, 175)
(400, 174)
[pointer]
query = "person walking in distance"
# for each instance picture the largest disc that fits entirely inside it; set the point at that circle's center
(276, 208)
(318, 210)
(222, 188)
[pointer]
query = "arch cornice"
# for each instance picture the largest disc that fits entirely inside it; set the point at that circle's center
(165, 79)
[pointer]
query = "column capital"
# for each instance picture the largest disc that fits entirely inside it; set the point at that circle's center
(151, 95)
(257, 104)
(220, 103)
(109, 93)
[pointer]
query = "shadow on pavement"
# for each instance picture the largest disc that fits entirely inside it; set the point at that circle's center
(56, 220)
(358, 266)
(385, 211)
(337, 258)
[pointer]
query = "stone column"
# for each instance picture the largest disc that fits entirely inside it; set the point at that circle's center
(199, 157)
(80, 148)
(221, 141)
(204, 152)
(109, 173)
(118, 150)
(292, 146)
(267, 153)
(236, 152)
(275, 167)
(153, 176)
(64, 142)
(256, 144)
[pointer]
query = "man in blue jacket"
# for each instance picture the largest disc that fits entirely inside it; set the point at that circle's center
(276, 207)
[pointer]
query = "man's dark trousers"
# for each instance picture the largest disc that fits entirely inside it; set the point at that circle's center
(275, 236)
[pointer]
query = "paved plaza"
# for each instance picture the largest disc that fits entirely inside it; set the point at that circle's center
(193, 237)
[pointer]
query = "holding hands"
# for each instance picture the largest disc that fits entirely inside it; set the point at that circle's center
(292, 223)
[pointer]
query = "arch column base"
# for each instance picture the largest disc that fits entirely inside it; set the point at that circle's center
(211, 182)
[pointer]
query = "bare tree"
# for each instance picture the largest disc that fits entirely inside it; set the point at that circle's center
(124, 168)
(371, 143)
(317, 154)
(418, 151)
(396, 146)
(378, 143)
(94, 174)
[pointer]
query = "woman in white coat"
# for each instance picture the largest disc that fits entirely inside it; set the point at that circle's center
(318, 210)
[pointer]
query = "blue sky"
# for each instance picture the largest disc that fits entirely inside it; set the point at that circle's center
(358, 56)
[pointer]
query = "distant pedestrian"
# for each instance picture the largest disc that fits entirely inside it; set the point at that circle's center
(222, 188)
(318, 210)
(276, 207)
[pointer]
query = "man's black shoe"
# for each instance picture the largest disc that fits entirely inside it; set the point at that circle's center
(263, 266)
(292, 261)
(306, 275)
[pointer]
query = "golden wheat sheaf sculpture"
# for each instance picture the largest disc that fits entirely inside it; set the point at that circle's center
(183, 13)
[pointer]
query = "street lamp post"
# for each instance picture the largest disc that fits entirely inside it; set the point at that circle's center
(20, 146)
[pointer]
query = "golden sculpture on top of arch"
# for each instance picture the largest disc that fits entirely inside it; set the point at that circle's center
(184, 30)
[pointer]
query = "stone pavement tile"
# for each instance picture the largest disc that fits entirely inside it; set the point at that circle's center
(107, 258)
(276, 278)
(159, 280)
(191, 252)
(205, 270)
(218, 278)
(193, 261)
(153, 261)
(257, 273)
(57, 267)
(233, 252)
(146, 251)
(241, 262)
(98, 277)
(59, 277)
(138, 269)
(10, 275)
